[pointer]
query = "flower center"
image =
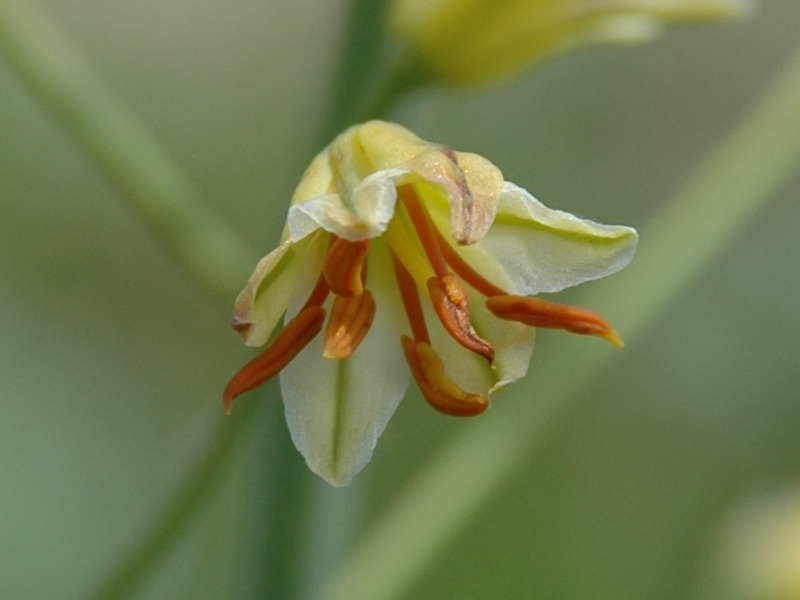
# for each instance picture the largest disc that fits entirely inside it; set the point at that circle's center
(422, 260)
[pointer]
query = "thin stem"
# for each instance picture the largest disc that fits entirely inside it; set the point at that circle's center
(179, 511)
(700, 220)
(368, 80)
(124, 150)
(371, 74)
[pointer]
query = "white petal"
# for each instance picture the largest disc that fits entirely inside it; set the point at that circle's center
(279, 277)
(531, 249)
(365, 214)
(512, 342)
(336, 410)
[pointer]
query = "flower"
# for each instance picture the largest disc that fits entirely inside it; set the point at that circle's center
(421, 260)
(464, 42)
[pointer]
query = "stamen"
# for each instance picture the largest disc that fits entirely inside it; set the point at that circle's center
(450, 302)
(287, 344)
(343, 266)
(411, 303)
(447, 294)
(540, 313)
(464, 270)
(425, 230)
(349, 322)
(441, 392)
(319, 294)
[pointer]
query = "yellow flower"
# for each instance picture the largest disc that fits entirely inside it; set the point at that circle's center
(413, 258)
(463, 42)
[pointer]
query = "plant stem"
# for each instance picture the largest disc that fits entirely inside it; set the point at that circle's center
(124, 150)
(371, 74)
(179, 511)
(306, 515)
(696, 224)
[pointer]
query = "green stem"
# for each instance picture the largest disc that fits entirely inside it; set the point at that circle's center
(699, 221)
(151, 182)
(371, 74)
(179, 512)
(368, 80)
(286, 491)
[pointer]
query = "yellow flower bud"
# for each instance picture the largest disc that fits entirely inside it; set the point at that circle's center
(464, 42)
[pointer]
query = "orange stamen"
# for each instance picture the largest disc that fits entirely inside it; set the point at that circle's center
(450, 302)
(425, 230)
(319, 294)
(411, 303)
(465, 271)
(441, 392)
(349, 322)
(287, 344)
(447, 294)
(343, 265)
(540, 313)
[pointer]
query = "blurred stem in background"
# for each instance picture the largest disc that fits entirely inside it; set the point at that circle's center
(693, 227)
(372, 73)
(705, 214)
(150, 181)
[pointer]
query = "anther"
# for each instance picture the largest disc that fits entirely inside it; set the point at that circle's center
(343, 266)
(295, 336)
(450, 302)
(540, 313)
(441, 392)
(349, 322)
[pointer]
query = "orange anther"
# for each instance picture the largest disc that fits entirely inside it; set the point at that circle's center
(540, 313)
(441, 392)
(349, 322)
(287, 344)
(450, 302)
(343, 267)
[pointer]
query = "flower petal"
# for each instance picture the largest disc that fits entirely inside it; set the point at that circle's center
(512, 342)
(470, 183)
(531, 248)
(336, 410)
(365, 216)
(279, 277)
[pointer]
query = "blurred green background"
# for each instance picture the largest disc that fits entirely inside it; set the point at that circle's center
(112, 361)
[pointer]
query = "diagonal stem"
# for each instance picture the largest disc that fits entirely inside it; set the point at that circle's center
(178, 513)
(697, 223)
(150, 181)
